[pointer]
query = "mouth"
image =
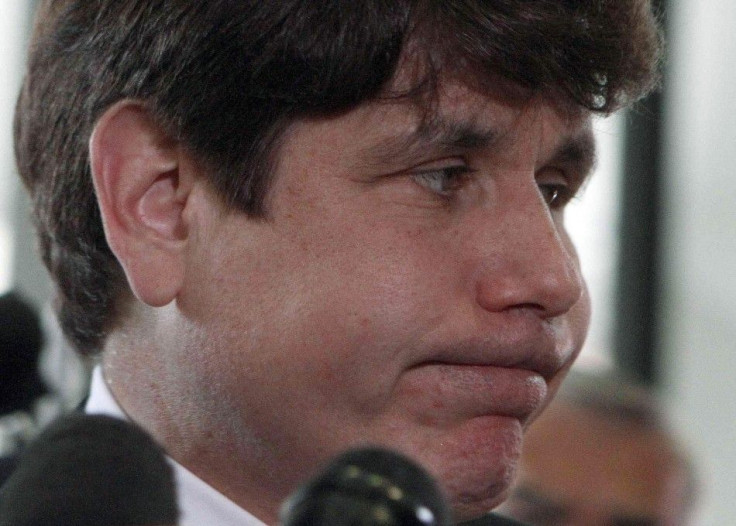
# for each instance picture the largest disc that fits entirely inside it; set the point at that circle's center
(506, 372)
(525, 344)
(445, 393)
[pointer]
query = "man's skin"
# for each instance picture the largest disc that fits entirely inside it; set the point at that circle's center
(412, 286)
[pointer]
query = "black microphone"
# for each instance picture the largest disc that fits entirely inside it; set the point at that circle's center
(368, 487)
(88, 470)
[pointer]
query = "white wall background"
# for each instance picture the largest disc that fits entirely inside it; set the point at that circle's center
(593, 221)
(699, 332)
(13, 29)
(20, 267)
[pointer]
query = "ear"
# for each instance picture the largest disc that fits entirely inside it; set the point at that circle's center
(142, 190)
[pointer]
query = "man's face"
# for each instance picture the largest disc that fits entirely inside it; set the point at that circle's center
(413, 286)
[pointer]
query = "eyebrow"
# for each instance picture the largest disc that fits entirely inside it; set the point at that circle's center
(436, 134)
(579, 152)
(460, 135)
(446, 137)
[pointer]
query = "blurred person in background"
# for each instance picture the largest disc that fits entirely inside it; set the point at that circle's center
(25, 399)
(602, 455)
(40, 375)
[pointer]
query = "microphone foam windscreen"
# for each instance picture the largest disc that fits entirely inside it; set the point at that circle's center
(368, 487)
(90, 470)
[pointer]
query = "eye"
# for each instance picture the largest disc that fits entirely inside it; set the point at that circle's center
(555, 195)
(555, 188)
(443, 181)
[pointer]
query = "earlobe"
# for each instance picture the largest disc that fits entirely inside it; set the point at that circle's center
(142, 192)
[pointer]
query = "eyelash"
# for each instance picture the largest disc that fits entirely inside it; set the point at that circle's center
(558, 186)
(446, 181)
(454, 175)
(555, 195)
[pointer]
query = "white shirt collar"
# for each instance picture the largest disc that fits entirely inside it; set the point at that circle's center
(200, 504)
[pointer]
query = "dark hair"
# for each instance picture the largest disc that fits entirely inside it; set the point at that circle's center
(21, 343)
(227, 77)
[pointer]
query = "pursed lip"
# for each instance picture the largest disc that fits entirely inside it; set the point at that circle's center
(503, 374)
(449, 392)
(541, 347)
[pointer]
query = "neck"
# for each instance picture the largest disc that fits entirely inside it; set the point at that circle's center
(184, 412)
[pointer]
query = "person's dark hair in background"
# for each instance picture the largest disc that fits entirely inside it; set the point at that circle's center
(21, 341)
(603, 453)
(21, 385)
(227, 78)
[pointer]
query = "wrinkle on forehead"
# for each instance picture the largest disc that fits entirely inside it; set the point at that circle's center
(460, 118)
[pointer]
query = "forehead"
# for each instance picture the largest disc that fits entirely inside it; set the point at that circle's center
(498, 106)
(452, 118)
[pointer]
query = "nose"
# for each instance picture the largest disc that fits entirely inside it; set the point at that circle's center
(528, 260)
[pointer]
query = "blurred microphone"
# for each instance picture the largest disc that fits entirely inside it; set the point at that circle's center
(368, 487)
(88, 470)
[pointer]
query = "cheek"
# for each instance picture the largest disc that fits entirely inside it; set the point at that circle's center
(365, 303)
(357, 304)
(578, 320)
(580, 316)
(376, 268)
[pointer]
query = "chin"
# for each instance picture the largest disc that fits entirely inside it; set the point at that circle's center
(474, 463)
(480, 499)
(474, 489)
